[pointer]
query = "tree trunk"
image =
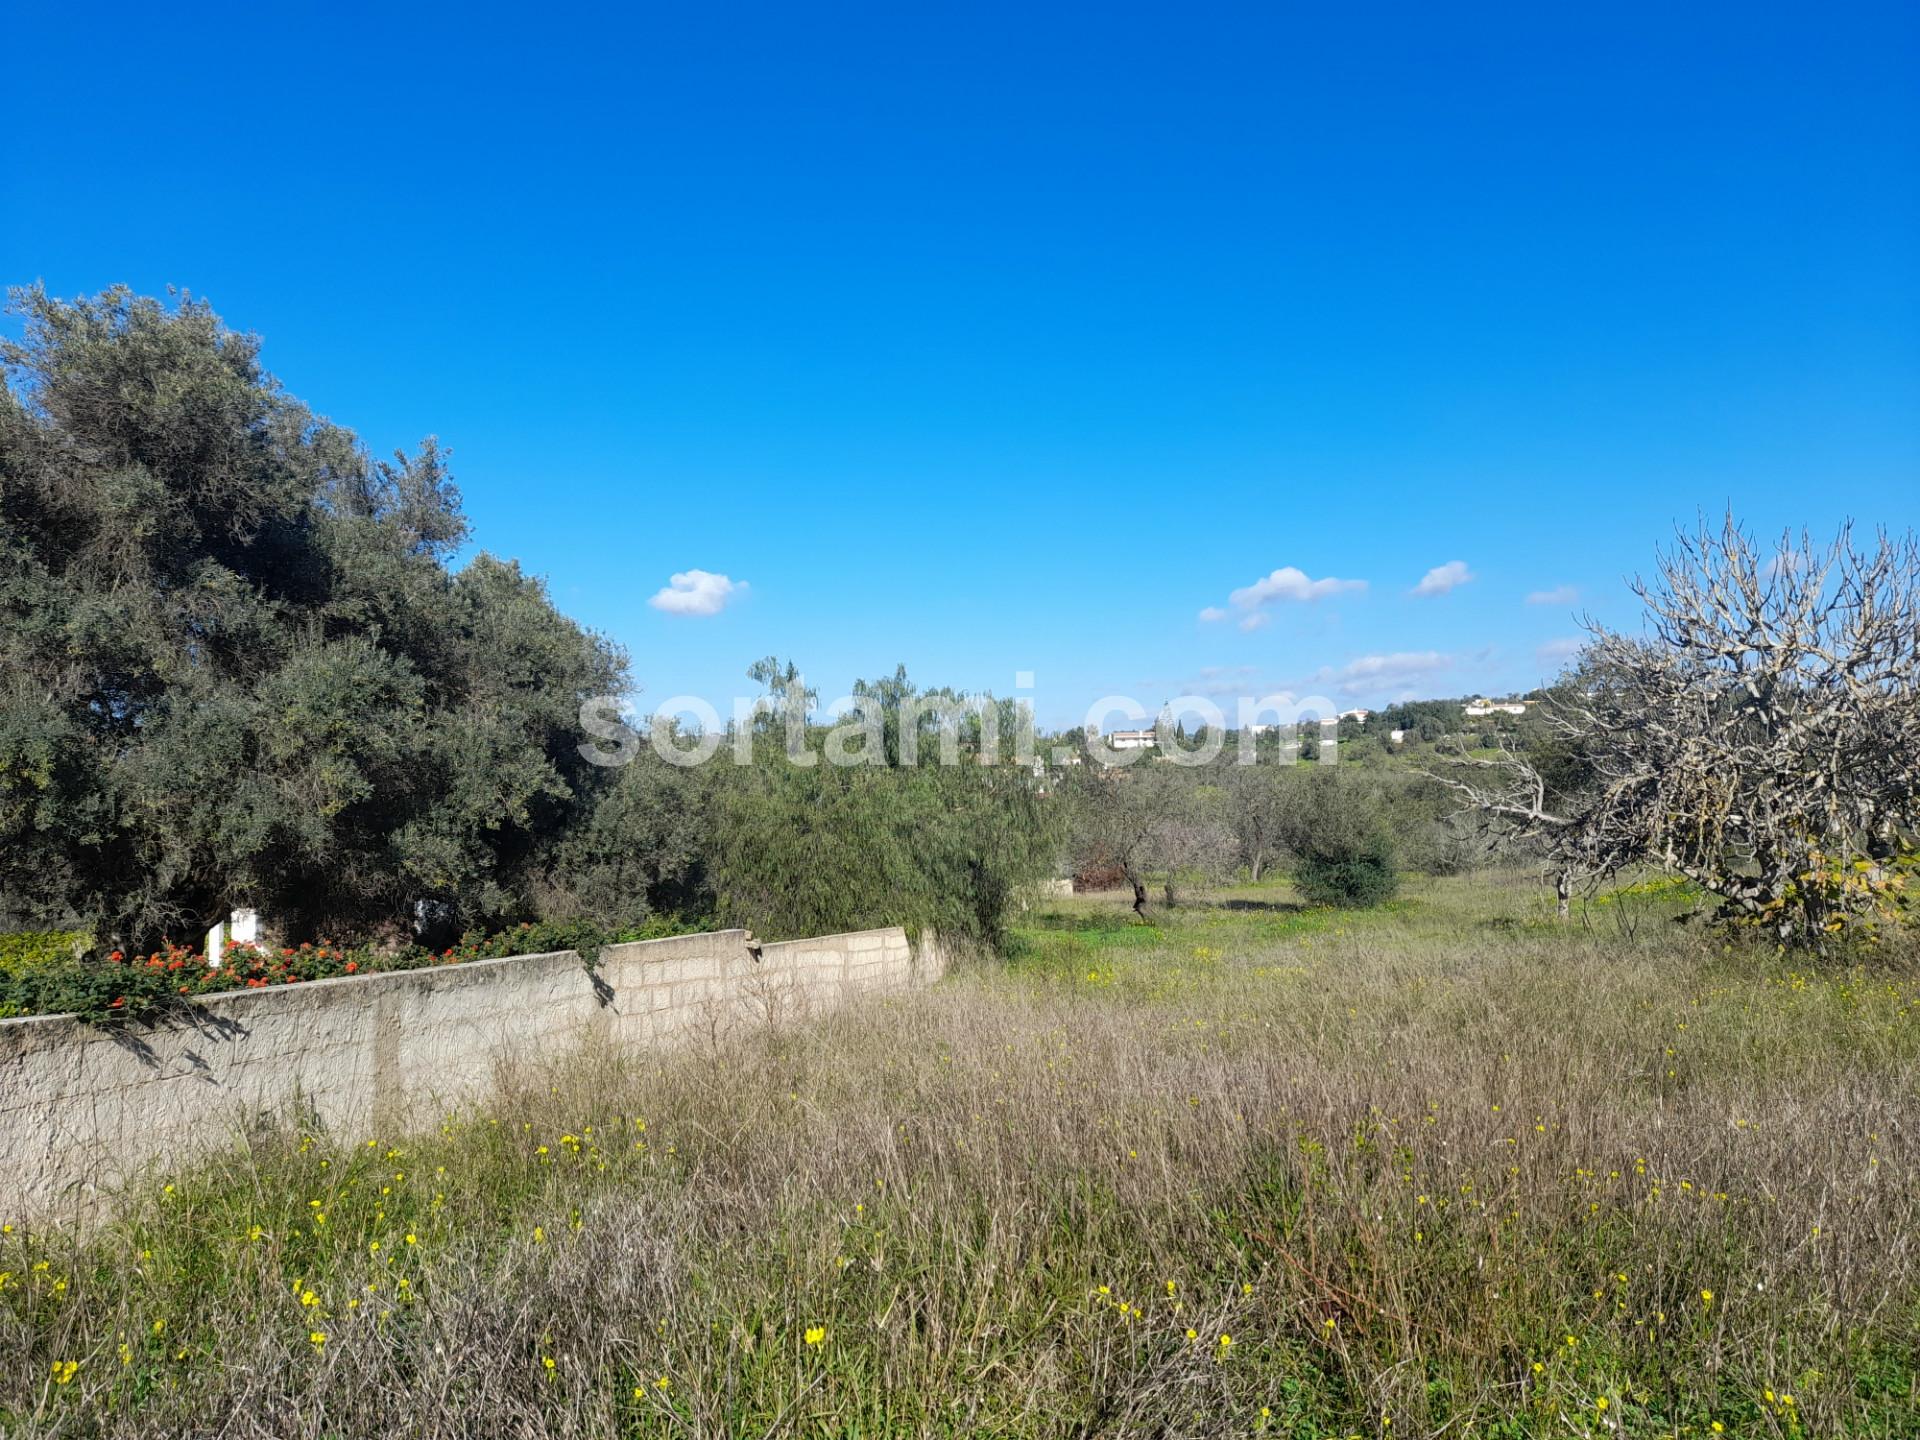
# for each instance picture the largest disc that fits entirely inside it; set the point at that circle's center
(1139, 899)
(1564, 890)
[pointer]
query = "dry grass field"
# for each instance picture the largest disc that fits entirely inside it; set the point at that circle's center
(1446, 1168)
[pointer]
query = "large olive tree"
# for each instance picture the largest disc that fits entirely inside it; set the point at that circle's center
(236, 665)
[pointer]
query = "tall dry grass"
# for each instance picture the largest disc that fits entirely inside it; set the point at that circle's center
(1446, 1169)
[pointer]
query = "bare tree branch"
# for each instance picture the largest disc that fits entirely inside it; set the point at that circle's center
(1761, 738)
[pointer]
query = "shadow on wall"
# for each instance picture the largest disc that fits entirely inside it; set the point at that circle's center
(84, 1109)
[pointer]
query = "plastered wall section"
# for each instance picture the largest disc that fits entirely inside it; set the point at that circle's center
(86, 1109)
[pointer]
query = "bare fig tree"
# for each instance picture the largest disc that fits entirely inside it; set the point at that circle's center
(1761, 738)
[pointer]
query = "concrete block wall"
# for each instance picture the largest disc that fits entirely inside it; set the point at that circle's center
(86, 1109)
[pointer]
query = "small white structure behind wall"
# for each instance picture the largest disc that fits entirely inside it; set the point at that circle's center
(87, 1109)
(242, 928)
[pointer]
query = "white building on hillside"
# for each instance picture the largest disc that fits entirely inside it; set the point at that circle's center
(1481, 707)
(1133, 739)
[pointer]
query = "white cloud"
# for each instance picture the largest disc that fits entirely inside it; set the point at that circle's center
(1442, 578)
(1556, 652)
(697, 592)
(1258, 620)
(1286, 583)
(1559, 595)
(1289, 583)
(1371, 674)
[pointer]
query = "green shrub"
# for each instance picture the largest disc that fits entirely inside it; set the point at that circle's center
(823, 849)
(25, 950)
(1358, 880)
(1338, 831)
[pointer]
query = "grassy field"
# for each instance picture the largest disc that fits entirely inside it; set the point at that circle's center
(1258, 1170)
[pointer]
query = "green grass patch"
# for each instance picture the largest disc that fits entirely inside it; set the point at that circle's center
(1447, 1167)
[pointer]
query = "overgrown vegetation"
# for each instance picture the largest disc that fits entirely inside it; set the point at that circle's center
(1368, 1155)
(1333, 829)
(24, 950)
(1338, 830)
(235, 666)
(239, 666)
(1442, 1167)
(118, 987)
(819, 849)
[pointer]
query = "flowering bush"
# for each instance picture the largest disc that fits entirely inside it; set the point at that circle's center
(118, 985)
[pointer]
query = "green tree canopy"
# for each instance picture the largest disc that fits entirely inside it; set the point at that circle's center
(236, 665)
(813, 847)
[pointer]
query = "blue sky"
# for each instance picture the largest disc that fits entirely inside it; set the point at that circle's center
(993, 337)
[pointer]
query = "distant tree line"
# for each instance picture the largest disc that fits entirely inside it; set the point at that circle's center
(1343, 833)
(243, 663)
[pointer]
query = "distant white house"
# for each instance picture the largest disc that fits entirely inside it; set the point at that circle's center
(1133, 740)
(1481, 707)
(1356, 715)
(1397, 736)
